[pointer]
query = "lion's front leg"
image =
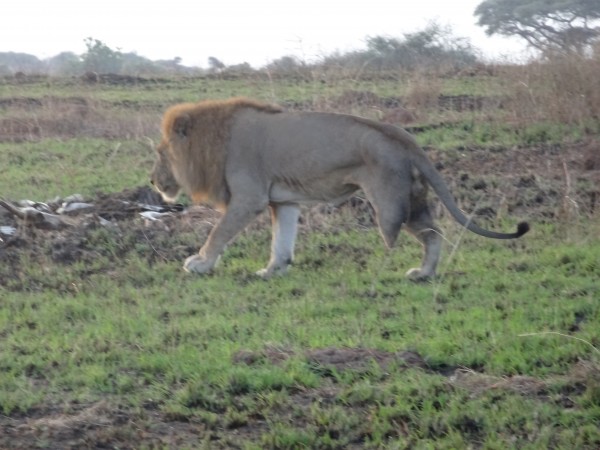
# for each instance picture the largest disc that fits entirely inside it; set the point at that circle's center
(285, 226)
(235, 220)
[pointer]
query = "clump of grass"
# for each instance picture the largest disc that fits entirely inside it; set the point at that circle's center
(423, 92)
(561, 88)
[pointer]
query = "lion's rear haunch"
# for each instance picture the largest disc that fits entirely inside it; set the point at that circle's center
(245, 156)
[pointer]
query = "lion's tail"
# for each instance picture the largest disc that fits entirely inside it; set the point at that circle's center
(421, 162)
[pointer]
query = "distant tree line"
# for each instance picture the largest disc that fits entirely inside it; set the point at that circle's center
(98, 58)
(548, 26)
(434, 46)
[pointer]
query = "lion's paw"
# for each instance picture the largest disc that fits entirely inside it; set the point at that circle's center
(416, 274)
(198, 264)
(269, 272)
(265, 274)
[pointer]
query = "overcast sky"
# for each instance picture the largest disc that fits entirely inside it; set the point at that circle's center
(234, 31)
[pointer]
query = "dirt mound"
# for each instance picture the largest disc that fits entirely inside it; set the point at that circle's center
(108, 225)
(324, 360)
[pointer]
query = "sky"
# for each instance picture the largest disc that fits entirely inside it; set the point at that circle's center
(234, 31)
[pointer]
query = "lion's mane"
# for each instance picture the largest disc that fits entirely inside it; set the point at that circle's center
(196, 136)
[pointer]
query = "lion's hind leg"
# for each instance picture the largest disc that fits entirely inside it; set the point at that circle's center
(389, 196)
(284, 218)
(421, 225)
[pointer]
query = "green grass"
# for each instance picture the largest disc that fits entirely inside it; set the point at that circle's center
(259, 85)
(142, 333)
(50, 168)
(474, 132)
(508, 332)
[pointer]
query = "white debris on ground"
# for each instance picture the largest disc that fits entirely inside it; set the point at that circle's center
(7, 231)
(59, 213)
(75, 207)
(154, 215)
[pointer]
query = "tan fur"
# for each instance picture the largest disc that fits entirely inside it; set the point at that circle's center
(199, 165)
(245, 156)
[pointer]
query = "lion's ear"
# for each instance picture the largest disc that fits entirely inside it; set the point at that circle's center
(181, 125)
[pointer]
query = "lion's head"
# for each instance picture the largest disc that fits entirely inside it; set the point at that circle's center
(191, 156)
(162, 177)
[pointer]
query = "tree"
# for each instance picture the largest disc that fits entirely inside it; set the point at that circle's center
(64, 64)
(11, 62)
(215, 64)
(547, 25)
(134, 64)
(101, 58)
(285, 65)
(434, 46)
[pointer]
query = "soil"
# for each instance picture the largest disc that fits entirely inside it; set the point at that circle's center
(538, 184)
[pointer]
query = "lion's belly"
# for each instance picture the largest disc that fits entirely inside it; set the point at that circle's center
(282, 192)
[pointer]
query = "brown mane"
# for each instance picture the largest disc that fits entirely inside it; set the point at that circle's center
(196, 135)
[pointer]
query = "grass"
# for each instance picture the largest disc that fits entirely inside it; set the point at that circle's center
(145, 334)
(494, 135)
(52, 167)
(506, 339)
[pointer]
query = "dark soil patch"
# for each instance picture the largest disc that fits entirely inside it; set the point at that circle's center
(93, 426)
(530, 183)
(338, 359)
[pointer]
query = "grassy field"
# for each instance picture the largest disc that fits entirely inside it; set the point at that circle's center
(106, 343)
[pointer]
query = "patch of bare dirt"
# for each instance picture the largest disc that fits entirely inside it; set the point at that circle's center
(334, 358)
(531, 183)
(108, 226)
(95, 426)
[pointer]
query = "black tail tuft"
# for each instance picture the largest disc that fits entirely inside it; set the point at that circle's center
(522, 228)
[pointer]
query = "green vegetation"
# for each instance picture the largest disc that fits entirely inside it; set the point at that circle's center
(138, 334)
(51, 168)
(501, 351)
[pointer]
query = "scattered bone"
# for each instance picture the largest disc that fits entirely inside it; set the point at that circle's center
(74, 198)
(154, 215)
(43, 207)
(53, 214)
(75, 207)
(35, 217)
(8, 231)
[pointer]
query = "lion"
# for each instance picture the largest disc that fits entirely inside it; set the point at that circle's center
(244, 156)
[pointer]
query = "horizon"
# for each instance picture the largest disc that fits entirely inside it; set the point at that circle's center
(237, 32)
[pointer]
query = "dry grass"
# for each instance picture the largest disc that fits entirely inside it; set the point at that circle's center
(564, 89)
(423, 92)
(33, 119)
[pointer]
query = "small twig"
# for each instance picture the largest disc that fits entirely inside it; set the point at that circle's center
(556, 333)
(455, 246)
(154, 248)
(12, 209)
(568, 203)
